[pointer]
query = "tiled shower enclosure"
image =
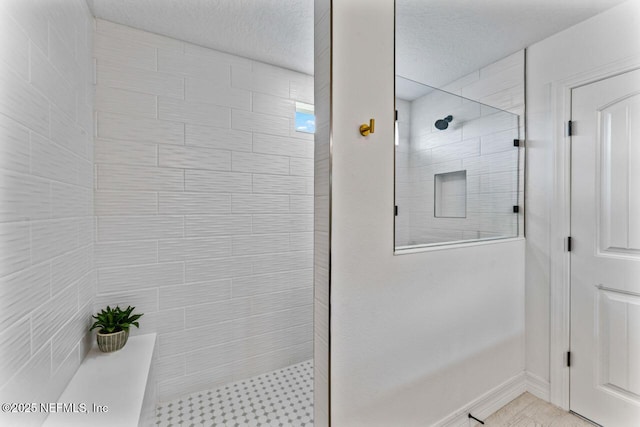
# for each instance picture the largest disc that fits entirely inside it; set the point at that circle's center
(204, 206)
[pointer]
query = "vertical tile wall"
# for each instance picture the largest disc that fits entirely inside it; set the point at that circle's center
(404, 187)
(482, 146)
(204, 205)
(47, 281)
(322, 211)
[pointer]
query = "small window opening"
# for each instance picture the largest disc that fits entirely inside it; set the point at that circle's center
(305, 118)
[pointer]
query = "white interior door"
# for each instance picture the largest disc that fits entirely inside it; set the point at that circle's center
(605, 258)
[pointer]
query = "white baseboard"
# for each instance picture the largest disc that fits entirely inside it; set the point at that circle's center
(537, 386)
(486, 404)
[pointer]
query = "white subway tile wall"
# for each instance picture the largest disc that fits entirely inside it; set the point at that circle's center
(47, 280)
(204, 201)
(482, 146)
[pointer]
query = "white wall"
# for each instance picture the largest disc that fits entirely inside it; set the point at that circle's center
(479, 141)
(413, 337)
(204, 205)
(47, 281)
(605, 44)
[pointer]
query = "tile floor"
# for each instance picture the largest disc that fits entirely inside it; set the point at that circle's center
(529, 411)
(282, 398)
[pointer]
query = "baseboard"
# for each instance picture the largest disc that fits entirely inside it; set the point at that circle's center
(488, 403)
(537, 386)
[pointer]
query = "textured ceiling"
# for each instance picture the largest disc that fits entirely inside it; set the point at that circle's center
(437, 40)
(278, 32)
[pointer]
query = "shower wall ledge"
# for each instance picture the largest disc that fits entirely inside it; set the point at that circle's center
(454, 245)
(118, 382)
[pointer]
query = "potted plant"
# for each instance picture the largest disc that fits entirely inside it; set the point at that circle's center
(114, 326)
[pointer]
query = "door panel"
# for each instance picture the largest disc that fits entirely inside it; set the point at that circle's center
(619, 344)
(605, 258)
(620, 182)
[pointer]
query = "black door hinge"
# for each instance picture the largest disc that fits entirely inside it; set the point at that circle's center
(395, 210)
(516, 209)
(517, 142)
(568, 359)
(396, 115)
(570, 128)
(569, 243)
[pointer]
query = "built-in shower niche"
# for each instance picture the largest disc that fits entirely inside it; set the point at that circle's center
(450, 195)
(457, 169)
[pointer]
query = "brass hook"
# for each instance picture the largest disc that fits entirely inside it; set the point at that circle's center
(365, 129)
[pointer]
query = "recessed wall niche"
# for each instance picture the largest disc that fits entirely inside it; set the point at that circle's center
(450, 194)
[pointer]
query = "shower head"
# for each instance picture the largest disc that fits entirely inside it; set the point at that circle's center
(442, 124)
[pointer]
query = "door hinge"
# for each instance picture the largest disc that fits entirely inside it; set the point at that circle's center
(516, 209)
(395, 210)
(568, 359)
(518, 142)
(570, 128)
(569, 243)
(396, 115)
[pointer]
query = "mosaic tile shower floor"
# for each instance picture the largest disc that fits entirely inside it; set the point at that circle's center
(282, 398)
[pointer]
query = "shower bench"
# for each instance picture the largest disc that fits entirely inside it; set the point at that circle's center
(117, 388)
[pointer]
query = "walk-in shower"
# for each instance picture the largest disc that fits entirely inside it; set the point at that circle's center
(456, 180)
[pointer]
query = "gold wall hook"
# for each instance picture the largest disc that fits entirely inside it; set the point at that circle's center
(365, 129)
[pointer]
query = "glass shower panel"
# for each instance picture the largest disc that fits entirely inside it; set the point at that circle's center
(457, 169)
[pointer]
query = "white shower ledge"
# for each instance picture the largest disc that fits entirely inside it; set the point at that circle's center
(115, 380)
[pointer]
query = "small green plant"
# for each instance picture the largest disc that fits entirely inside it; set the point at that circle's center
(112, 320)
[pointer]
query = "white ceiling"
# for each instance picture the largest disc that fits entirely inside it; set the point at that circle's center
(278, 32)
(437, 40)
